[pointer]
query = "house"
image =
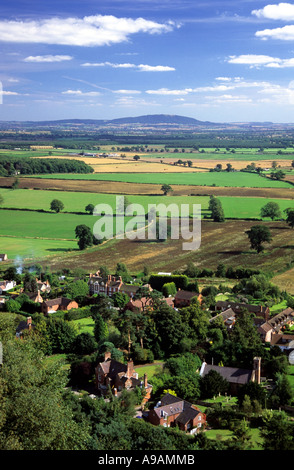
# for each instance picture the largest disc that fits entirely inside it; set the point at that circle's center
(284, 341)
(3, 257)
(172, 411)
(34, 296)
(24, 325)
(110, 285)
(60, 303)
(183, 298)
(138, 305)
(227, 316)
(101, 285)
(235, 376)
(275, 324)
(116, 376)
(6, 285)
(258, 310)
(43, 286)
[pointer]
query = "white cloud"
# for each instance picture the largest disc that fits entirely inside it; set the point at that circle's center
(81, 93)
(282, 11)
(48, 58)
(8, 93)
(155, 68)
(166, 91)
(95, 30)
(108, 64)
(141, 67)
(261, 60)
(127, 92)
(285, 34)
(252, 59)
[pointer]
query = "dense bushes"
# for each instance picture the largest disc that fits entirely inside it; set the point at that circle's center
(157, 281)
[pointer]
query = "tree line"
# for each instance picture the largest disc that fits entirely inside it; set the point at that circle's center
(11, 166)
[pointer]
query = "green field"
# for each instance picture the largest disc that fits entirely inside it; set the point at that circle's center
(222, 179)
(19, 247)
(234, 207)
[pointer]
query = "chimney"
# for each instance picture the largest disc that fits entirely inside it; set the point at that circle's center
(107, 355)
(29, 322)
(256, 369)
(130, 369)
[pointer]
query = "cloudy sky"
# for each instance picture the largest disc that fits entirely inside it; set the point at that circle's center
(216, 60)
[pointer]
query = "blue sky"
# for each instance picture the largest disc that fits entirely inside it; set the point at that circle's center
(216, 60)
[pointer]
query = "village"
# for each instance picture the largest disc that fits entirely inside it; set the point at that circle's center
(123, 340)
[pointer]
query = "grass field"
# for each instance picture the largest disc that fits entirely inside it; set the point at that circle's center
(223, 179)
(234, 207)
(19, 247)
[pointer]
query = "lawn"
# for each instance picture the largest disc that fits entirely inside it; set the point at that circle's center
(85, 325)
(221, 179)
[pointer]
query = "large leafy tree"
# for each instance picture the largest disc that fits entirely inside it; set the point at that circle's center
(259, 234)
(33, 415)
(84, 236)
(290, 217)
(271, 210)
(56, 205)
(217, 212)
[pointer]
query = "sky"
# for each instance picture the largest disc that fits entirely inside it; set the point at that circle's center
(214, 60)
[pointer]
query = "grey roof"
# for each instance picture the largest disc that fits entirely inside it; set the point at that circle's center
(172, 405)
(185, 295)
(231, 374)
(237, 306)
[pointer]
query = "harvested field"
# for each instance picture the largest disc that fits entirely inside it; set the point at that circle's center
(111, 187)
(221, 243)
(120, 165)
(285, 281)
(237, 164)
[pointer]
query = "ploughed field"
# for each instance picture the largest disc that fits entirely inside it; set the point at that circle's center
(220, 243)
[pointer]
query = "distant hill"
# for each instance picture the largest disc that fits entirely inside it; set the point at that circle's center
(147, 120)
(156, 119)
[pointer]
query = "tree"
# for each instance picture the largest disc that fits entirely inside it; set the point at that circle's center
(100, 329)
(56, 205)
(278, 175)
(27, 380)
(277, 431)
(84, 235)
(77, 290)
(90, 208)
(213, 384)
(217, 212)
(271, 210)
(290, 217)
(166, 188)
(259, 234)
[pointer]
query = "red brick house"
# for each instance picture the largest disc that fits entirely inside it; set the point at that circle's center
(139, 305)
(172, 411)
(118, 376)
(107, 286)
(61, 303)
(183, 298)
